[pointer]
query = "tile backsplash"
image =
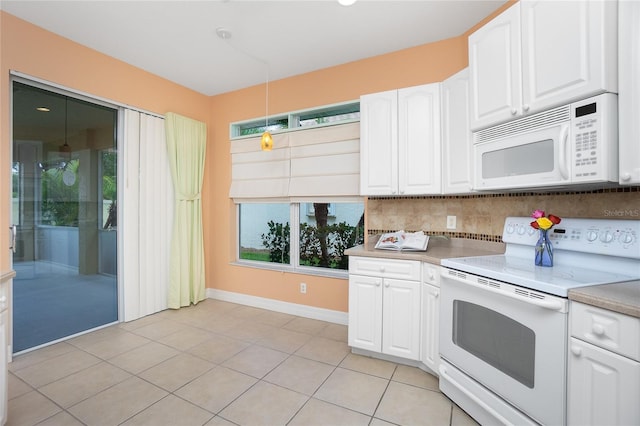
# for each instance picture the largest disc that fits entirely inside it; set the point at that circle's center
(482, 216)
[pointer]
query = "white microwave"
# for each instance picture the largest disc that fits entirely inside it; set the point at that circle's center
(572, 144)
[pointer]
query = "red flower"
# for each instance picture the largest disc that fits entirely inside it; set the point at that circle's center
(555, 219)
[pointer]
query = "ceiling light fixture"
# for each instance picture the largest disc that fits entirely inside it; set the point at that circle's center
(347, 2)
(223, 33)
(266, 141)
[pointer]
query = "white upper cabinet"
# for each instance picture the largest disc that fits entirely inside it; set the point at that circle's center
(494, 63)
(456, 136)
(400, 142)
(629, 97)
(541, 54)
(379, 143)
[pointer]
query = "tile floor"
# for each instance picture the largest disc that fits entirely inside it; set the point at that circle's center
(220, 363)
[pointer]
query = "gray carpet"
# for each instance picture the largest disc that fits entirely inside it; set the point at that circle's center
(50, 303)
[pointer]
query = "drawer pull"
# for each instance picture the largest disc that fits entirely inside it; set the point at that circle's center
(382, 269)
(598, 329)
(577, 351)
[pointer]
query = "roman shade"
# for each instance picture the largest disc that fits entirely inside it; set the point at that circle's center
(321, 162)
(260, 174)
(325, 162)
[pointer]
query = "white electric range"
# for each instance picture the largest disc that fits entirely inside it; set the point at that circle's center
(504, 321)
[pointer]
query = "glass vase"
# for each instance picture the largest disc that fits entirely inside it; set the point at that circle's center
(544, 250)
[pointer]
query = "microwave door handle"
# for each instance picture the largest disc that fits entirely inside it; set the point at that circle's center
(562, 152)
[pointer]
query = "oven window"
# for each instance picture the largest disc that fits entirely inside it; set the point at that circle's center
(496, 339)
(517, 160)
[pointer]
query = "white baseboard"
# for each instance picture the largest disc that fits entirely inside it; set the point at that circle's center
(305, 311)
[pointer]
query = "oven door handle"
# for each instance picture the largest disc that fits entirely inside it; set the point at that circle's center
(492, 412)
(554, 305)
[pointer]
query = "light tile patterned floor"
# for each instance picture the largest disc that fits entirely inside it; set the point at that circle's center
(220, 363)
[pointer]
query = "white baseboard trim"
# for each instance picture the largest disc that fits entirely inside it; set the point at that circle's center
(305, 311)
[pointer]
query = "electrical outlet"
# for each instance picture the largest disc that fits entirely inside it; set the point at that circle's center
(451, 222)
(303, 288)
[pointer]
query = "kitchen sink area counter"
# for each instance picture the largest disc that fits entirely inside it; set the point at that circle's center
(439, 248)
(623, 297)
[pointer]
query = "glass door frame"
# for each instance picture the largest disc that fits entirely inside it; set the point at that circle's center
(119, 136)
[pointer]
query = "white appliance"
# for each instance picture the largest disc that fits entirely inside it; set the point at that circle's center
(572, 144)
(504, 321)
(629, 101)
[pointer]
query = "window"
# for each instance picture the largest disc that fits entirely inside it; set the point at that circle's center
(264, 232)
(60, 193)
(109, 188)
(315, 117)
(313, 243)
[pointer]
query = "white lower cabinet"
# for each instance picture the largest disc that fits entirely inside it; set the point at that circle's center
(384, 306)
(604, 367)
(430, 355)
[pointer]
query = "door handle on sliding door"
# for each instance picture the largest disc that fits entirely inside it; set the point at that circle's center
(14, 231)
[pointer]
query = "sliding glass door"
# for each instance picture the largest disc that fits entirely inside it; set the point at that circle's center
(64, 205)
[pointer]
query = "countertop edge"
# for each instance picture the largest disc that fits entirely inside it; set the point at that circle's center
(6, 276)
(437, 249)
(623, 298)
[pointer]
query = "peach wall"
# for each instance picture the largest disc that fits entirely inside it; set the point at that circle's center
(34, 51)
(420, 65)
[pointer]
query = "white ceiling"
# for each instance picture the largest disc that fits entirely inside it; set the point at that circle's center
(177, 39)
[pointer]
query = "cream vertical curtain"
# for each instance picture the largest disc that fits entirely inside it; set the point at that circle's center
(147, 216)
(186, 147)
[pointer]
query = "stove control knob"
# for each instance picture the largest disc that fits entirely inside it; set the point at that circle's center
(521, 230)
(606, 237)
(592, 236)
(626, 238)
(509, 229)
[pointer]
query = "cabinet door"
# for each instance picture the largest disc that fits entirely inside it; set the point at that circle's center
(495, 68)
(603, 388)
(401, 318)
(379, 143)
(568, 50)
(419, 140)
(629, 97)
(430, 355)
(456, 136)
(365, 312)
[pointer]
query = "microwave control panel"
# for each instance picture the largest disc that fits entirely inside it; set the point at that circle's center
(594, 140)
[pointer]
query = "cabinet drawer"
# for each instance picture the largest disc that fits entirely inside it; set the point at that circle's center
(386, 268)
(613, 331)
(431, 274)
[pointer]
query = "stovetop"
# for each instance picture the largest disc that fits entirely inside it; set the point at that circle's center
(586, 252)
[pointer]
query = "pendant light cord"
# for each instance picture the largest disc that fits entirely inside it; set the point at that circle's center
(266, 117)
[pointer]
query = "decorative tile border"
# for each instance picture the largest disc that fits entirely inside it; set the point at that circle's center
(467, 235)
(511, 194)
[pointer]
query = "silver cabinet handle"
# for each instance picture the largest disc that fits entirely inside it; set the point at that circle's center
(14, 231)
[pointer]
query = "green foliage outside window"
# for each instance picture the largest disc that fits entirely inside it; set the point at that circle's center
(60, 200)
(339, 237)
(277, 242)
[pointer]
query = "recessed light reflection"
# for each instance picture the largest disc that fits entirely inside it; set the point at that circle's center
(43, 109)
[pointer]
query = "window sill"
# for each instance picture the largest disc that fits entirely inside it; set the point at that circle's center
(304, 270)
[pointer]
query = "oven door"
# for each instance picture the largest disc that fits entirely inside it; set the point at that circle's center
(509, 339)
(536, 158)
